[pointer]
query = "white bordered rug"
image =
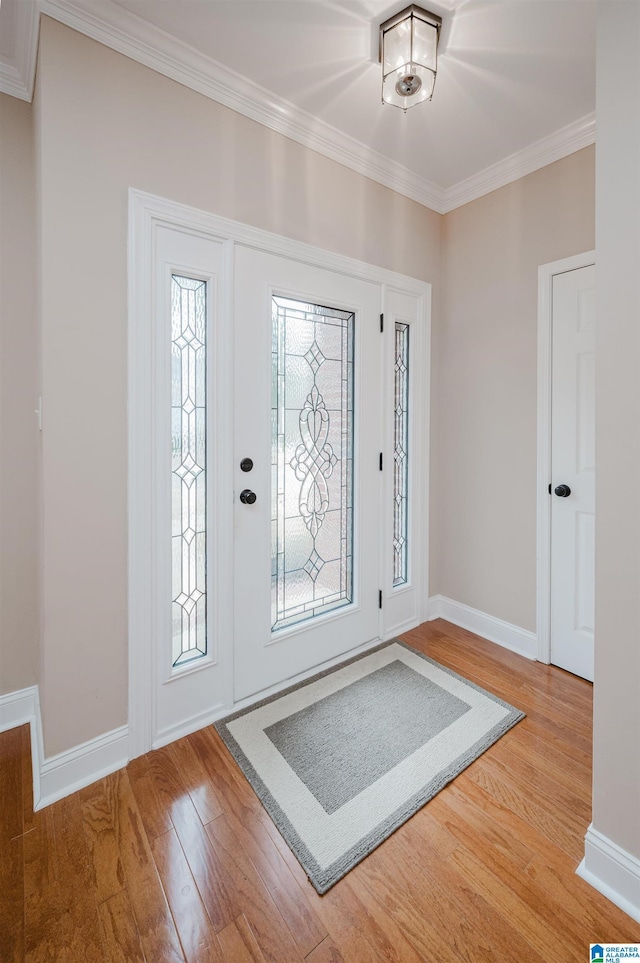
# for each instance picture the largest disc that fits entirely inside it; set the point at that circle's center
(342, 760)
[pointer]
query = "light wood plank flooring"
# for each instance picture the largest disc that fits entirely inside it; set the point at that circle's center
(174, 859)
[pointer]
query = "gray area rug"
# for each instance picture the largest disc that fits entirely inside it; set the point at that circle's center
(343, 759)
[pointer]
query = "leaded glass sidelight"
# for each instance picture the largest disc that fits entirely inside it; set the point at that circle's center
(400, 453)
(188, 468)
(312, 461)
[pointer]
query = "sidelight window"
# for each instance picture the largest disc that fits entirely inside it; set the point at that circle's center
(188, 468)
(401, 454)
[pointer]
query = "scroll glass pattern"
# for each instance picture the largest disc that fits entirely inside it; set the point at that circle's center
(188, 468)
(312, 461)
(400, 453)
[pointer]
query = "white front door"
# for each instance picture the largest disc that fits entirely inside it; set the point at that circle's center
(308, 435)
(261, 367)
(573, 471)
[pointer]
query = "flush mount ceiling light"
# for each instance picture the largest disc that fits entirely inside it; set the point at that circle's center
(408, 45)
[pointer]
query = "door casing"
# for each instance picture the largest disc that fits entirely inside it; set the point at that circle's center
(546, 273)
(402, 609)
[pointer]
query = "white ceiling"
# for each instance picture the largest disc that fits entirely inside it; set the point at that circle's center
(515, 86)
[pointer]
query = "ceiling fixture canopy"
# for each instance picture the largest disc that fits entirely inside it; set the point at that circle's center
(408, 46)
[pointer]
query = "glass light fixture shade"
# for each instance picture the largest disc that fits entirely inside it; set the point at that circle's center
(396, 46)
(408, 49)
(425, 43)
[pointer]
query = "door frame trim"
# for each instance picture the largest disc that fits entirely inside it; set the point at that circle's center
(147, 212)
(546, 273)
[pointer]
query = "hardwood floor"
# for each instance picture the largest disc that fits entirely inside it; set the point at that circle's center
(174, 859)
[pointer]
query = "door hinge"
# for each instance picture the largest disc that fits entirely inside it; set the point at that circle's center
(379, 598)
(380, 461)
(381, 323)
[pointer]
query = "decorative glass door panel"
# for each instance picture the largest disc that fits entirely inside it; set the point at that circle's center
(188, 468)
(312, 461)
(400, 452)
(307, 412)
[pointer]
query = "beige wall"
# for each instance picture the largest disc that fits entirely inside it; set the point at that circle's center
(485, 364)
(19, 440)
(616, 749)
(104, 124)
(107, 124)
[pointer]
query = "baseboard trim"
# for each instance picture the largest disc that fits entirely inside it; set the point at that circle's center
(489, 627)
(22, 708)
(67, 772)
(612, 871)
(76, 768)
(18, 708)
(60, 775)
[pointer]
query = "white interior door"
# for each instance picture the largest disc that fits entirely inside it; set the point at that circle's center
(307, 413)
(573, 471)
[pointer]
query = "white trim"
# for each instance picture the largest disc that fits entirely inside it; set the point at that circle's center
(118, 28)
(489, 627)
(140, 528)
(17, 77)
(123, 31)
(151, 208)
(69, 771)
(612, 871)
(546, 273)
(20, 708)
(581, 133)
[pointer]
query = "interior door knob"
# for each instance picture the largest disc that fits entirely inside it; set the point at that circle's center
(247, 497)
(563, 491)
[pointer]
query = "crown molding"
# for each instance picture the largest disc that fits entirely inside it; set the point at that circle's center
(18, 75)
(562, 142)
(130, 35)
(116, 27)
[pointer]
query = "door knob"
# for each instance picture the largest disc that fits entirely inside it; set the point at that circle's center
(247, 497)
(246, 464)
(562, 491)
